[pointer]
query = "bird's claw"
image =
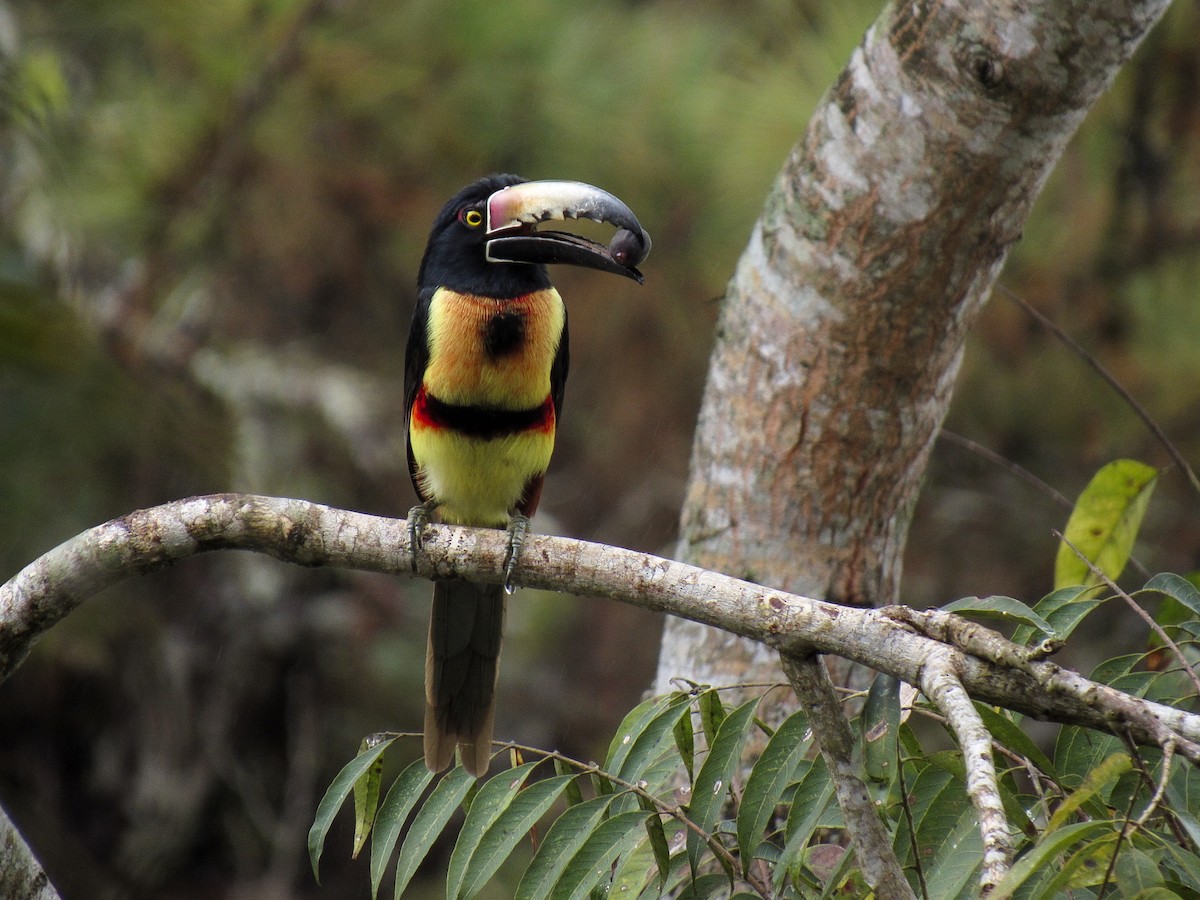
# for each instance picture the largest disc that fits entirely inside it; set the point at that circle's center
(418, 518)
(518, 530)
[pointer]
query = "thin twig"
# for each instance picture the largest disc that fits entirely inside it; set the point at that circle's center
(1025, 475)
(674, 810)
(906, 807)
(1007, 464)
(1160, 790)
(1099, 369)
(1122, 836)
(1141, 613)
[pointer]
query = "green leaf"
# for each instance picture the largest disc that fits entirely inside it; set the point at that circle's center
(472, 792)
(429, 822)
(592, 862)
(335, 796)
(1137, 872)
(1063, 609)
(1076, 753)
(1184, 864)
(1097, 780)
(403, 795)
(503, 835)
(366, 797)
(601, 783)
(657, 838)
(1154, 893)
(493, 798)
(43, 85)
(654, 740)
(1105, 522)
(1044, 853)
(1015, 806)
(812, 796)
(1183, 812)
(1113, 669)
(1178, 588)
(953, 868)
(680, 874)
(936, 799)
(1004, 609)
(663, 772)
(561, 843)
(712, 713)
(766, 782)
(881, 730)
(685, 743)
(705, 886)
(840, 878)
(639, 866)
(1183, 787)
(1083, 868)
(712, 783)
(636, 721)
(574, 795)
(1006, 732)
(1157, 686)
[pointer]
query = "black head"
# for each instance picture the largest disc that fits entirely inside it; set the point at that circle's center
(456, 255)
(485, 240)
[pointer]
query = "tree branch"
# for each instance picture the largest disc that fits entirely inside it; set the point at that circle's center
(941, 685)
(21, 875)
(872, 844)
(311, 534)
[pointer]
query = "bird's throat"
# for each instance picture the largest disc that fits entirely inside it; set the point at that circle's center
(493, 353)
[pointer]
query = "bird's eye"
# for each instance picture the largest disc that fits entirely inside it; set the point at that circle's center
(472, 218)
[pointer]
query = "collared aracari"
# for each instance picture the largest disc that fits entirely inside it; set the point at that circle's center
(483, 383)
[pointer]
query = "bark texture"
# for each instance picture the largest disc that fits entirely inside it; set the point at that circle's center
(21, 875)
(842, 330)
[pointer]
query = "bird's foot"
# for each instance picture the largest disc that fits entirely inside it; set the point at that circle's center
(418, 518)
(518, 530)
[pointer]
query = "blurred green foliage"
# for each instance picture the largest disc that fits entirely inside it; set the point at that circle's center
(186, 188)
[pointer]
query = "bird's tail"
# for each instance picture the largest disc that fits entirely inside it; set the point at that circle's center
(460, 673)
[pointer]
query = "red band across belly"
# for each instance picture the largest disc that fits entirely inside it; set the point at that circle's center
(480, 422)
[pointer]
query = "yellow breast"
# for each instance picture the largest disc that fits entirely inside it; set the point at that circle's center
(461, 369)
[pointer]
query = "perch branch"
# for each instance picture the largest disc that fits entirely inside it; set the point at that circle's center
(310, 534)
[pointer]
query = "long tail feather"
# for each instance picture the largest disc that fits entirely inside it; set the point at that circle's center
(461, 663)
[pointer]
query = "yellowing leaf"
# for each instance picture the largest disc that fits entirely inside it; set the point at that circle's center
(1105, 522)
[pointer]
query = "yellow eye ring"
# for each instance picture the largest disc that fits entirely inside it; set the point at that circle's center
(472, 218)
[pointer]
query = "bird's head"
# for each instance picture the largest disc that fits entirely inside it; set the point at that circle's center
(485, 240)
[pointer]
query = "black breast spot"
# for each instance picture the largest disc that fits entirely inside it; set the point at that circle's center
(504, 334)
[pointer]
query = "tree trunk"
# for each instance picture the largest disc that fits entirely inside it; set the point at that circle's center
(842, 330)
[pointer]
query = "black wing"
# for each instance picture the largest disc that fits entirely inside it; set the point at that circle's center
(558, 370)
(416, 358)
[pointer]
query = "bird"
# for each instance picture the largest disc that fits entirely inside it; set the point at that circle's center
(485, 369)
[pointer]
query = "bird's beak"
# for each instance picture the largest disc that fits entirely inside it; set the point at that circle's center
(514, 212)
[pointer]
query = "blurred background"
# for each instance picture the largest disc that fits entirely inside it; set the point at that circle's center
(211, 216)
